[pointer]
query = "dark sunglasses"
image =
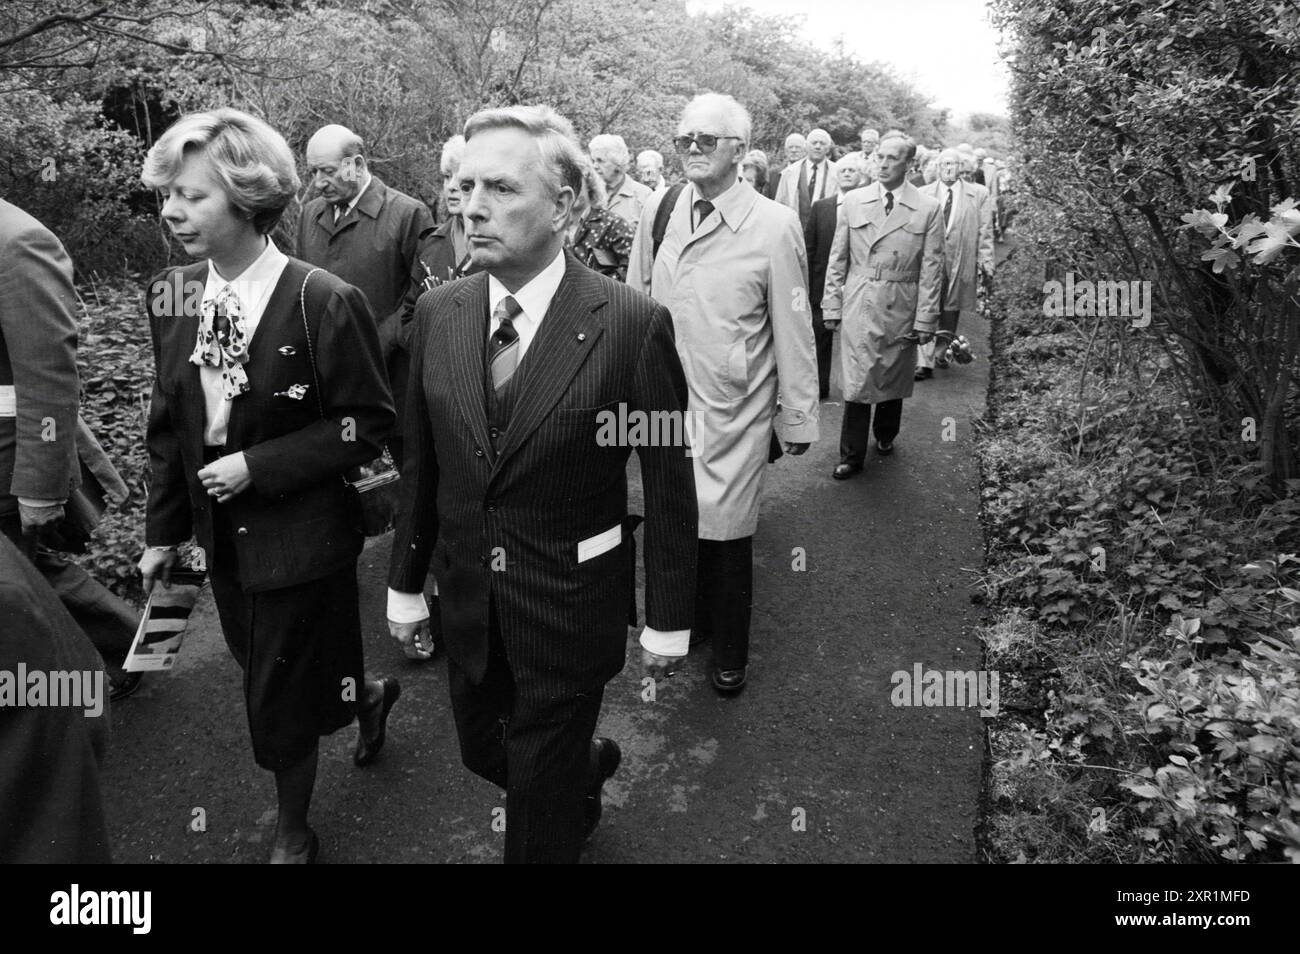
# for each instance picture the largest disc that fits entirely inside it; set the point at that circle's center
(704, 142)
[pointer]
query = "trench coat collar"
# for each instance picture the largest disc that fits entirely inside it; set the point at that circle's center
(906, 201)
(564, 338)
(730, 209)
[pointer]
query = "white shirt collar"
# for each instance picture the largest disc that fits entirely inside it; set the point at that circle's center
(254, 284)
(534, 299)
(366, 179)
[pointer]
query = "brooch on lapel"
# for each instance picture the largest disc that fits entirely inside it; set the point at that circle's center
(288, 351)
(296, 391)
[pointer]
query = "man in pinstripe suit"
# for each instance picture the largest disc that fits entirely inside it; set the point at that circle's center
(515, 500)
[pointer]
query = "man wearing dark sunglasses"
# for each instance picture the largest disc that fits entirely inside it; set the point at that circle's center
(732, 270)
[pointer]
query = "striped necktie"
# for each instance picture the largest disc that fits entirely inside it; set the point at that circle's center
(503, 346)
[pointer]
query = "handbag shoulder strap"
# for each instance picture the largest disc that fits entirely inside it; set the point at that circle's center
(311, 354)
(311, 351)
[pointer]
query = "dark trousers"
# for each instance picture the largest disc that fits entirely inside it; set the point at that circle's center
(534, 743)
(824, 339)
(724, 599)
(108, 621)
(857, 424)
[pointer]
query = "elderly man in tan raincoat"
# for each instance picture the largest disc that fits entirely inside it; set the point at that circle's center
(732, 271)
(883, 286)
(968, 247)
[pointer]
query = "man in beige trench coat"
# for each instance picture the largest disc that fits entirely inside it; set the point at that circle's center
(968, 246)
(733, 273)
(883, 281)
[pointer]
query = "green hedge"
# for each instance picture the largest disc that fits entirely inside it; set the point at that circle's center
(1148, 604)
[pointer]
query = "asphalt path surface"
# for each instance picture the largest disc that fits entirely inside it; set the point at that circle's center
(811, 762)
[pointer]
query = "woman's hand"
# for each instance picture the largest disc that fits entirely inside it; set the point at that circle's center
(156, 564)
(226, 477)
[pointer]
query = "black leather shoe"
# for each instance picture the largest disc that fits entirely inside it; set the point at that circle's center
(368, 749)
(845, 471)
(884, 448)
(305, 857)
(608, 757)
(923, 374)
(729, 681)
(122, 683)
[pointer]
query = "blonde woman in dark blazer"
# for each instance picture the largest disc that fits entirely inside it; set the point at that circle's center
(269, 384)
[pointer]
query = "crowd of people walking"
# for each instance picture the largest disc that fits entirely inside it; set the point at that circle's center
(479, 350)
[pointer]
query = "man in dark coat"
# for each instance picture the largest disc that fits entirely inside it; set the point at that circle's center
(368, 234)
(818, 236)
(516, 494)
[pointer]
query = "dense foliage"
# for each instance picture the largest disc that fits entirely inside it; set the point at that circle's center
(90, 95)
(1149, 613)
(1131, 116)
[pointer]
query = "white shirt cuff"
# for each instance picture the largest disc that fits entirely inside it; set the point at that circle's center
(675, 643)
(407, 607)
(34, 502)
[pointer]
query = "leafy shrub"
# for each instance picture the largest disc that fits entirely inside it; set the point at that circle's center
(1148, 608)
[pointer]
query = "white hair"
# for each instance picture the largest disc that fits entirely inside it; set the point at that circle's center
(452, 152)
(611, 147)
(654, 154)
(735, 117)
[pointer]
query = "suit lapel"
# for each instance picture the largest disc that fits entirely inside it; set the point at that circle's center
(468, 347)
(280, 314)
(563, 341)
(191, 385)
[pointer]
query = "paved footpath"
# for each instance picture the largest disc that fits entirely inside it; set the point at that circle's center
(811, 762)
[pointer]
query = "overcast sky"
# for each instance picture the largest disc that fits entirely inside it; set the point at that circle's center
(947, 47)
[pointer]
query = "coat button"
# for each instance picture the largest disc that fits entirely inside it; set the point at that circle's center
(491, 506)
(494, 432)
(242, 531)
(478, 452)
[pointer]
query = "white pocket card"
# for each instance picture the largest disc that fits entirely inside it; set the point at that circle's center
(600, 543)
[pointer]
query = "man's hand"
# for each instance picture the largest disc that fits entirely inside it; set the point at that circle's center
(658, 666)
(793, 449)
(156, 564)
(226, 477)
(831, 324)
(414, 638)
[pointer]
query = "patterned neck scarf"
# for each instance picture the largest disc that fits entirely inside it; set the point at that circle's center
(222, 342)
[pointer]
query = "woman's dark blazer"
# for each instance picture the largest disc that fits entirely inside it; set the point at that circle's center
(434, 264)
(296, 522)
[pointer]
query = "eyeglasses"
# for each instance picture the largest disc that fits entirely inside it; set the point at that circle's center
(704, 142)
